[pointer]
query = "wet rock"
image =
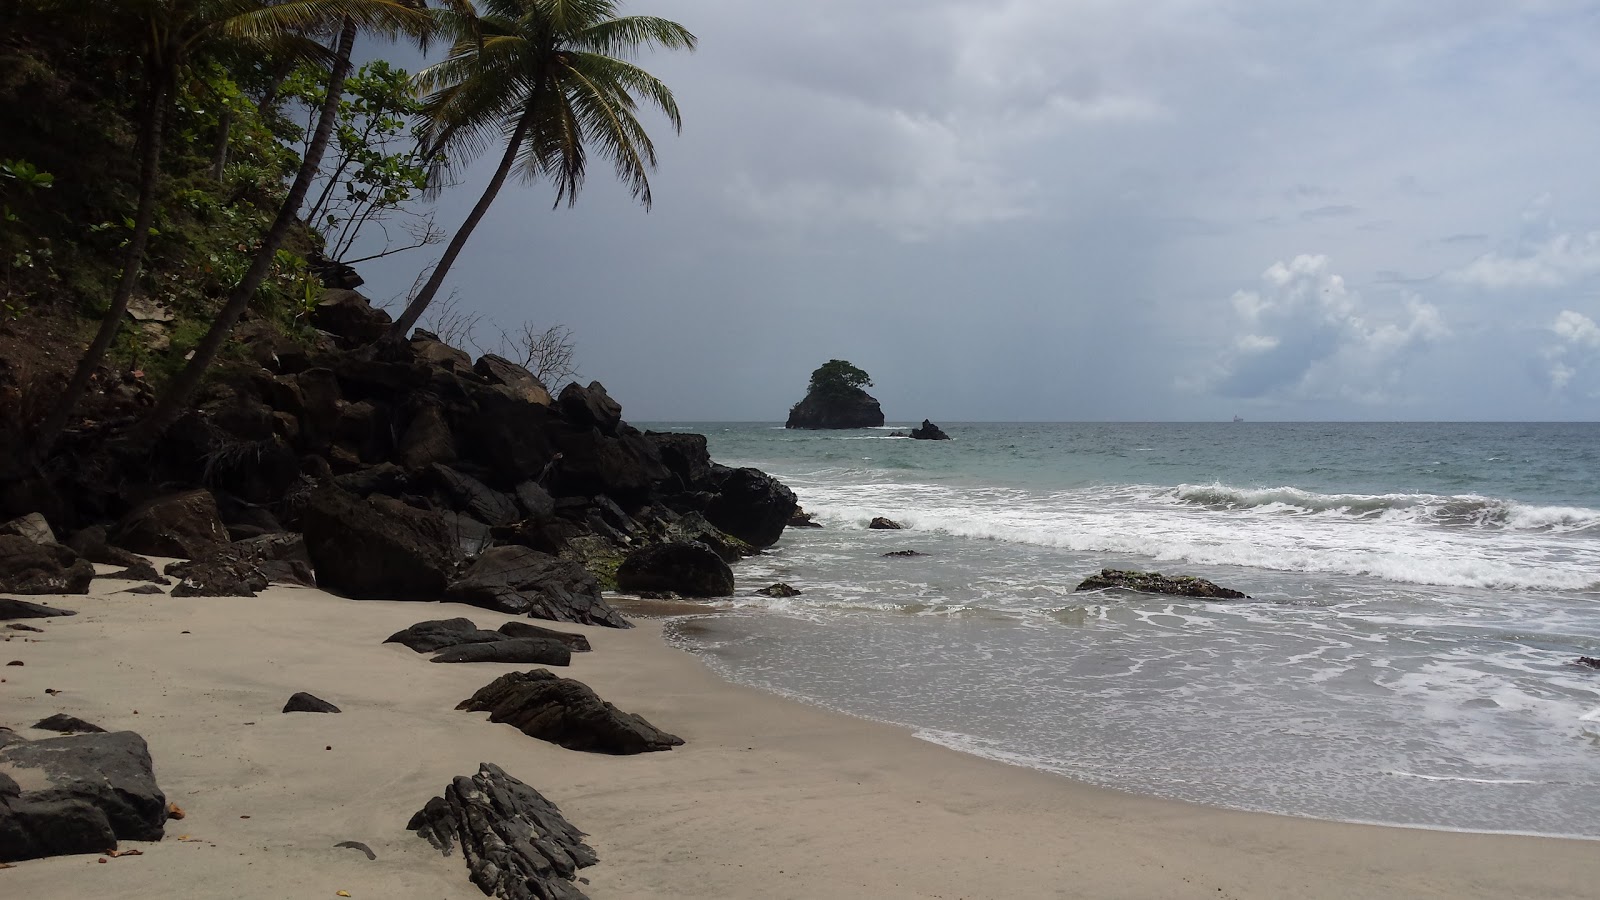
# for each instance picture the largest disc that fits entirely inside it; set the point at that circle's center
(184, 525)
(304, 702)
(567, 713)
(535, 650)
(517, 845)
(437, 634)
(692, 527)
(31, 526)
(928, 432)
(752, 506)
(779, 590)
(902, 554)
(30, 568)
(885, 524)
(376, 549)
(692, 570)
(526, 582)
(83, 794)
(802, 519)
(65, 724)
(1156, 583)
(577, 643)
(1588, 662)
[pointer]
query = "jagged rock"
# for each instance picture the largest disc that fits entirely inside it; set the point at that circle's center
(90, 543)
(184, 525)
(65, 724)
(538, 651)
(332, 273)
(577, 643)
(501, 371)
(779, 590)
(141, 571)
(247, 520)
(1589, 662)
(752, 506)
(349, 317)
(31, 526)
(626, 467)
(437, 634)
(567, 713)
(692, 527)
(376, 549)
(685, 455)
(243, 567)
(526, 582)
(516, 843)
(304, 702)
(143, 589)
(1156, 583)
(22, 609)
(471, 496)
(854, 408)
(429, 349)
(471, 536)
(511, 435)
(929, 432)
(536, 503)
(427, 439)
(693, 570)
(898, 434)
(802, 519)
(83, 793)
(902, 554)
(30, 568)
(882, 523)
(591, 407)
(385, 478)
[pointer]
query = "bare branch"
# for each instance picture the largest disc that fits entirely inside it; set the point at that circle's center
(548, 353)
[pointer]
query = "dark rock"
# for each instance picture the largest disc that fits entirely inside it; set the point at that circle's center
(142, 571)
(333, 274)
(243, 567)
(929, 432)
(31, 526)
(501, 371)
(471, 536)
(885, 524)
(65, 724)
(693, 570)
(526, 582)
(577, 643)
(143, 589)
(511, 435)
(591, 407)
(854, 408)
(427, 439)
(536, 502)
(90, 543)
(437, 634)
(685, 455)
(516, 843)
(898, 434)
(184, 525)
(85, 792)
(247, 520)
(1588, 662)
(539, 651)
(802, 519)
(567, 713)
(30, 568)
(17, 626)
(752, 506)
(349, 317)
(626, 467)
(376, 549)
(1156, 583)
(356, 845)
(779, 590)
(902, 554)
(692, 527)
(304, 702)
(429, 349)
(471, 496)
(385, 478)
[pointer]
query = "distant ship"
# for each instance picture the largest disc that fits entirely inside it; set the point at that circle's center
(1237, 419)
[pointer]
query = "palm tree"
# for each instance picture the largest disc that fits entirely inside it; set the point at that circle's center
(385, 17)
(547, 77)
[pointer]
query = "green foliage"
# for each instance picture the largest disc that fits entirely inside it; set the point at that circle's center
(20, 250)
(837, 377)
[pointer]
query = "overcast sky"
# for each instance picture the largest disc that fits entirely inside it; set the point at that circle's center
(1087, 210)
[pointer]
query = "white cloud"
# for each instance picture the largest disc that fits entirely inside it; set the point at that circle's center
(1557, 262)
(1305, 334)
(1575, 352)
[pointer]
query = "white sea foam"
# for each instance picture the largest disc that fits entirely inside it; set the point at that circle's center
(1462, 510)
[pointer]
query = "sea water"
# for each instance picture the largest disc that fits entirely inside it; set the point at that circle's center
(1419, 596)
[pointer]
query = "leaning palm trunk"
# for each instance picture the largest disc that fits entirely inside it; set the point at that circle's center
(150, 127)
(182, 387)
(419, 304)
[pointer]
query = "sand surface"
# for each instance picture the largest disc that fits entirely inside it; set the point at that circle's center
(769, 798)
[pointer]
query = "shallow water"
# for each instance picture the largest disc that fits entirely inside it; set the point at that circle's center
(1419, 594)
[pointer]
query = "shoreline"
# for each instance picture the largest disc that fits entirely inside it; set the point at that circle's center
(770, 796)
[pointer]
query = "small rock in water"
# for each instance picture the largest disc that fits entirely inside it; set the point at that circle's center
(779, 590)
(1589, 662)
(802, 519)
(304, 702)
(1157, 583)
(903, 554)
(884, 524)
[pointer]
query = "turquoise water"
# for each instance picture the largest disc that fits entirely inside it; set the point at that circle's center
(1419, 593)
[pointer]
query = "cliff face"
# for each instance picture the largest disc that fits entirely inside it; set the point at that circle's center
(853, 409)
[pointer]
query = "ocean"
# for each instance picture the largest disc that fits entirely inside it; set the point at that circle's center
(1420, 593)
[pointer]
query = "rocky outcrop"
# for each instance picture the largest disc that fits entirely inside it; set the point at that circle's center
(440, 634)
(185, 525)
(901, 554)
(882, 524)
(779, 590)
(91, 544)
(310, 703)
(348, 316)
(692, 570)
(517, 845)
(77, 794)
(242, 568)
(378, 548)
(928, 431)
(30, 568)
(567, 713)
(751, 505)
(802, 519)
(533, 650)
(31, 526)
(1157, 583)
(848, 409)
(577, 643)
(527, 582)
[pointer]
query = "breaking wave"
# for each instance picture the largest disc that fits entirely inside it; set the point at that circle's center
(1467, 510)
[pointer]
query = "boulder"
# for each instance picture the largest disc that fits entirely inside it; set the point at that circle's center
(752, 506)
(501, 371)
(243, 567)
(566, 713)
(304, 702)
(884, 524)
(349, 317)
(437, 634)
(429, 349)
(526, 582)
(591, 407)
(77, 794)
(538, 651)
(692, 570)
(692, 527)
(427, 439)
(854, 408)
(1588, 662)
(929, 432)
(376, 549)
(536, 503)
(471, 496)
(685, 455)
(140, 571)
(184, 525)
(577, 643)
(30, 568)
(779, 590)
(802, 519)
(516, 844)
(21, 609)
(1157, 583)
(626, 466)
(90, 543)
(31, 526)
(509, 434)
(901, 554)
(65, 724)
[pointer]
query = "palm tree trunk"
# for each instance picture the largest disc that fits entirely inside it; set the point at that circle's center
(150, 126)
(219, 155)
(415, 309)
(179, 391)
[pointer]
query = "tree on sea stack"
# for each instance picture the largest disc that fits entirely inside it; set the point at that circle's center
(550, 78)
(835, 398)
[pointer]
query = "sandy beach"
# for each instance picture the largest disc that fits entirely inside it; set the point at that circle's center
(769, 797)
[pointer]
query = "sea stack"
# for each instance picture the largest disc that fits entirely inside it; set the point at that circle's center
(835, 399)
